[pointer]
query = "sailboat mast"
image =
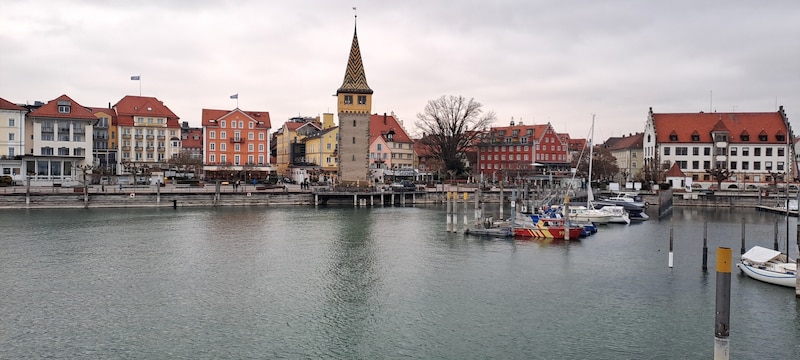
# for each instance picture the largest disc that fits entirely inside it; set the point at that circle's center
(786, 177)
(589, 195)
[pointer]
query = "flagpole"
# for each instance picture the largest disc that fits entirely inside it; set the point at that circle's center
(140, 85)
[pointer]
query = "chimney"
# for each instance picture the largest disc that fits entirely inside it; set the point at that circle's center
(384, 118)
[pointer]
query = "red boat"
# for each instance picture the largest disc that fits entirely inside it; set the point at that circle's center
(536, 227)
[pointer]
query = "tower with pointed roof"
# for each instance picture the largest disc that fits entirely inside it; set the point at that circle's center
(354, 104)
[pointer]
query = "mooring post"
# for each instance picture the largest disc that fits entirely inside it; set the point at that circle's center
(742, 249)
(775, 243)
(566, 217)
(501, 200)
(797, 278)
(671, 232)
(448, 210)
(705, 245)
(723, 306)
(478, 195)
(455, 211)
(465, 211)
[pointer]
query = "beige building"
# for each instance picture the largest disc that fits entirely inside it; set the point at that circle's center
(12, 139)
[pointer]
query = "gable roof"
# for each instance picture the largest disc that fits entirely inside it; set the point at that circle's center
(210, 117)
(635, 141)
(190, 142)
(7, 105)
(380, 125)
(134, 106)
(50, 110)
(675, 171)
(685, 124)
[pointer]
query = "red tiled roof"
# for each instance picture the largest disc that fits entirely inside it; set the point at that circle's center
(380, 125)
(626, 142)
(262, 117)
(683, 125)
(190, 142)
(50, 110)
(7, 105)
(675, 171)
(132, 106)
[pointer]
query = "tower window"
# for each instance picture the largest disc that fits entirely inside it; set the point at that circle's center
(348, 99)
(354, 139)
(354, 123)
(362, 99)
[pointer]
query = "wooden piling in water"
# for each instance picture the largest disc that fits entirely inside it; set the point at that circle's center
(743, 249)
(775, 243)
(705, 245)
(466, 197)
(723, 305)
(448, 211)
(797, 278)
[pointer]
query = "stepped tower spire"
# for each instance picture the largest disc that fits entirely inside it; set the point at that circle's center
(355, 79)
(354, 103)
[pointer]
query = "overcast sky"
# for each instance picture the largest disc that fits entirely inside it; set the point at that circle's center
(536, 61)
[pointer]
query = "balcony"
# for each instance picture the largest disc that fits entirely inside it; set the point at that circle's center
(126, 148)
(237, 140)
(126, 136)
(161, 137)
(138, 137)
(138, 148)
(150, 148)
(162, 149)
(150, 137)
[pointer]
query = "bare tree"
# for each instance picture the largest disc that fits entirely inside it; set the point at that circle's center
(604, 165)
(720, 175)
(184, 161)
(451, 125)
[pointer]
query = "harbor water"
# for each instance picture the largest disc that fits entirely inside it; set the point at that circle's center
(375, 283)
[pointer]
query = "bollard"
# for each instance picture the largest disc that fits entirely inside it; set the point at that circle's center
(448, 210)
(671, 232)
(705, 245)
(723, 305)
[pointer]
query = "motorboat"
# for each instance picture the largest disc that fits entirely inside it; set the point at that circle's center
(769, 266)
(626, 198)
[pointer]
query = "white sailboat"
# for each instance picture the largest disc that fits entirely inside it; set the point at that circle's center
(603, 215)
(769, 266)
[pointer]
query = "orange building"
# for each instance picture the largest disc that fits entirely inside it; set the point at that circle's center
(236, 144)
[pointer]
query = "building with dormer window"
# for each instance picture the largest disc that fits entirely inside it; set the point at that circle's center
(60, 141)
(236, 144)
(756, 147)
(518, 150)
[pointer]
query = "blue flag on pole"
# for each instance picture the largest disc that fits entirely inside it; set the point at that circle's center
(235, 96)
(135, 77)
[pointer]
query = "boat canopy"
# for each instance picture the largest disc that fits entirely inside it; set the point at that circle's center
(760, 254)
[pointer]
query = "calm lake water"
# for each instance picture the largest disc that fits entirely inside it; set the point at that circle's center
(373, 283)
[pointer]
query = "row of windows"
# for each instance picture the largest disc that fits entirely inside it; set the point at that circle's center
(50, 137)
(139, 156)
(236, 135)
(362, 99)
(236, 147)
(744, 165)
(508, 148)
(734, 151)
(62, 151)
(250, 124)
(140, 120)
(212, 158)
(724, 138)
(503, 157)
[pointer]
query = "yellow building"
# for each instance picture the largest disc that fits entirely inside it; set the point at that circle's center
(322, 149)
(289, 143)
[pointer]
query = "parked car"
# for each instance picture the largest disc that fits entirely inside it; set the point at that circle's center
(6, 180)
(404, 185)
(706, 192)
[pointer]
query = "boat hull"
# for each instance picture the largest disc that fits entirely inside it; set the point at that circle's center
(767, 276)
(549, 233)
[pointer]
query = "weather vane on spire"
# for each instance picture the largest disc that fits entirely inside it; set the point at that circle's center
(355, 12)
